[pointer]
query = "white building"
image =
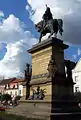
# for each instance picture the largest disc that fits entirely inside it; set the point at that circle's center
(76, 74)
(12, 86)
(15, 87)
(20, 90)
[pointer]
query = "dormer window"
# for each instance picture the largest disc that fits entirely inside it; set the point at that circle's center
(8, 86)
(5, 86)
(13, 86)
(16, 86)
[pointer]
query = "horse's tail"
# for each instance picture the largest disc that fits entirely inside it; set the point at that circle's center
(60, 26)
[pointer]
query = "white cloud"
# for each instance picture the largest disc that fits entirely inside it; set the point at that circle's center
(1, 14)
(79, 51)
(77, 54)
(68, 10)
(18, 41)
(56, 6)
(74, 56)
(79, 0)
(0, 46)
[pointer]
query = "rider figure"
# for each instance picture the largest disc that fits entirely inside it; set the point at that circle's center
(47, 15)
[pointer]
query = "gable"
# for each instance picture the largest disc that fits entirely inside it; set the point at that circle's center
(78, 66)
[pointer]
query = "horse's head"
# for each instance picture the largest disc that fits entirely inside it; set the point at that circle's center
(38, 26)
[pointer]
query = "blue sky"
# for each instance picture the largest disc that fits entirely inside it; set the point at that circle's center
(17, 7)
(15, 39)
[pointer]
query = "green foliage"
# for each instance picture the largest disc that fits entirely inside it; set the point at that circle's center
(5, 97)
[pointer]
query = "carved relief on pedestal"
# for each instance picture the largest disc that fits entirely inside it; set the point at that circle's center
(52, 68)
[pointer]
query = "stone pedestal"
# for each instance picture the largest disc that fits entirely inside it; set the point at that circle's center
(59, 91)
(41, 55)
(59, 102)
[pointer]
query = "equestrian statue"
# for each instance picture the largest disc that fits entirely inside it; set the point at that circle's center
(49, 25)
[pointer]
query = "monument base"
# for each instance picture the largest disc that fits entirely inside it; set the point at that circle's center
(60, 104)
(41, 55)
(56, 109)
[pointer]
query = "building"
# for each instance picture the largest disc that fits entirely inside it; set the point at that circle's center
(76, 74)
(4, 84)
(2, 87)
(18, 86)
(12, 86)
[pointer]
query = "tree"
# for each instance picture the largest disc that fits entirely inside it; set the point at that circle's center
(5, 97)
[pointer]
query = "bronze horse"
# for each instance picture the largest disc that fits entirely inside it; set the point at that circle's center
(53, 27)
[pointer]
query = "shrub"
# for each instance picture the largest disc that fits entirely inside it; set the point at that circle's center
(5, 97)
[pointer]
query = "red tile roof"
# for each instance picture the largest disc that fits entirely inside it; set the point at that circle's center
(17, 80)
(7, 81)
(11, 80)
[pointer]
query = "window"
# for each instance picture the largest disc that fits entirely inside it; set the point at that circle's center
(13, 86)
(16, 93)
(5, 86)
(76, 78)
(8, 86)
(11, 93)
(76, 89)
(16, 86)
(19, 92)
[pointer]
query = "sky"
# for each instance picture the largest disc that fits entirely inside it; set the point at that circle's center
(18, 34)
